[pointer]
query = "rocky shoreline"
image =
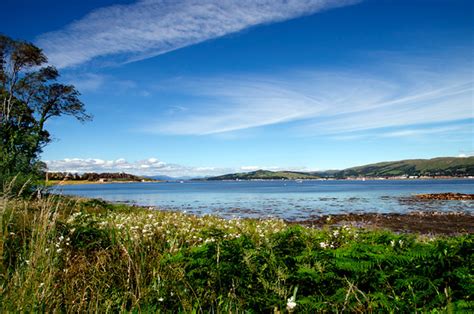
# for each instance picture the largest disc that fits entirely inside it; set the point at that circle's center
(448, 223)
(445, 196)
(423, 222)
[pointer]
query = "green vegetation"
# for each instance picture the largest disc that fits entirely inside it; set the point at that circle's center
(436, 167)
(29, 97)
(443, 166)
(67, 255)
(265, 175)
(92, 177)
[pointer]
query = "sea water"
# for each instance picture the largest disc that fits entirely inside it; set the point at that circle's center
(291, 200)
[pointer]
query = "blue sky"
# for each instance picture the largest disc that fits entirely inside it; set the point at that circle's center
(207, 87)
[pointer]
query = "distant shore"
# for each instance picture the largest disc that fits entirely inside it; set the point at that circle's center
(346, 179)
(83, 182)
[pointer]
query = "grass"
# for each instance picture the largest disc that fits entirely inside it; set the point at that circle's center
(73, 255)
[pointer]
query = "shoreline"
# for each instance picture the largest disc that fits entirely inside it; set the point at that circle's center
(340, 179)
(427, 222)
(416, 222)
(85, 182)
(440, 223)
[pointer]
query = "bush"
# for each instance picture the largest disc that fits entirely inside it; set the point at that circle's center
(60, 254)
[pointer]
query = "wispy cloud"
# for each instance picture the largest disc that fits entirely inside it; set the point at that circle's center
(87, 81)
(442, 130)
(464, 128)
(151, 27)
(150, 166)
(324, 102)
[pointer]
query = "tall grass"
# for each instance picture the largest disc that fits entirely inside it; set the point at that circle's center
(63, 254)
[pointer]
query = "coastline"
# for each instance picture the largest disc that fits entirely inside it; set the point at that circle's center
(426, 223)
(87, 182)
(344, 179)
(416, 222)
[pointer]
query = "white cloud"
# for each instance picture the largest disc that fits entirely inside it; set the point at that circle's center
(461, 128)
(87, 81)
(249, 168)
(323, 102)
(464, 128)
(151, 167)
(465, 154)
(151, 27)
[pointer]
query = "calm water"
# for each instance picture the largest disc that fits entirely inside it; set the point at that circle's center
(285, 199)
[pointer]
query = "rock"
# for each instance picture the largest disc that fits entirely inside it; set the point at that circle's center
(445, 196)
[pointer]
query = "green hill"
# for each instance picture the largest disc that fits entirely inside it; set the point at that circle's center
(442, 166)
(265, 175)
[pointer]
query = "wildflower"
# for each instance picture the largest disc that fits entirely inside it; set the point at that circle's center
(161, 299)
(323, 245)
(392, 243)
(291, 304)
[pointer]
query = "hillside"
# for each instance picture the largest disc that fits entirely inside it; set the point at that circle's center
(443, 166)
(265, 175)
(436, 167)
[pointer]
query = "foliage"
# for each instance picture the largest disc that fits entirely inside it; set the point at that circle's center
(29, 96)
(63, 254)
(265, 175)
(93, 176)
(442, 166)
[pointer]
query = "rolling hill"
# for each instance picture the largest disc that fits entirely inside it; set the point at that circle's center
(442, 166)
(265, 175)
(436, 167)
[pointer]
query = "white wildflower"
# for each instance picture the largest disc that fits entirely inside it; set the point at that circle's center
(291, 304)
(323, 245)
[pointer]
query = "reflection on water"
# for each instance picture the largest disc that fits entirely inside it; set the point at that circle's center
(284, 199)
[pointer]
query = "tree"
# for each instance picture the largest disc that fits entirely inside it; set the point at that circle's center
(30, 95)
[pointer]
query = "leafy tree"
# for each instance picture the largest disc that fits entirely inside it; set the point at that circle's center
(30, 95)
